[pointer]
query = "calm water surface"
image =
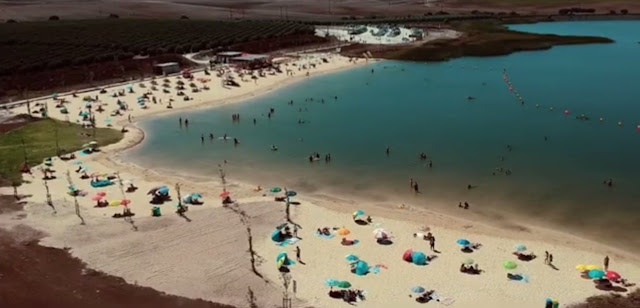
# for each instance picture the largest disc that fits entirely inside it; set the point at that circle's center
(423, 107)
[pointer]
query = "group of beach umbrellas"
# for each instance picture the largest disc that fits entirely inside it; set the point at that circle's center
(594, 271)
(101, 195)
(415, 257)
(289, 193)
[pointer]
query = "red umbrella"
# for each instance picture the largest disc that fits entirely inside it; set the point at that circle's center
(407, 255)
(224, 194)
(97, 197)
(613, 275)
(101, 194)
(125, 202)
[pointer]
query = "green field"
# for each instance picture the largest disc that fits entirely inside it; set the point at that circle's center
(40, 142)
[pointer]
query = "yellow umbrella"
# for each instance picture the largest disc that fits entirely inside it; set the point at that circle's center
(593, 267)
(581, 267)
(115, 203)
(343, 231)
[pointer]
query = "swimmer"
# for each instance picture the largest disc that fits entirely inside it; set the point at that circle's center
(210, 136)
(254, 121)
(274, 148)
(388, 151)
(235, 141)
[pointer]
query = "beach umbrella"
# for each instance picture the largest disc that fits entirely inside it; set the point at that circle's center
(581, 267)
(358, 213)
(344, 284)
(84, 113)
(343, 231)
(101, 193)
(593, 267)
(107, 120)
(596, 274)
(613, 275)
(196, 196)
(54, 95)
(276, 235)
(331, 282)
(417, 289)
(509, 264)
(418, 258)
(291, 193)
(164, 190)
(224, 194)
(96, 198)
(275, 189)
(407, 255)
(352, 257)
(467, 261)
(361, 268)
(463, 242)
(114, 203)
(125, 202)
(520, 247)
(380, 234)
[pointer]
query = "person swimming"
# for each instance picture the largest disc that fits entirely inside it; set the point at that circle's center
(274, 148)
(235, 141)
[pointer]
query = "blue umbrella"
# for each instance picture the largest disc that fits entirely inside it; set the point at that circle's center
(520, 247)
(196, 196)
(463, 242)
(417, 289)
(107, 120)
(276, 236)
(596, 274)
(291, 193)
(358, 213)
(331, 282)
(84, 113)
(351, 257)
(418, 258)
(362, 268)
(163, 190)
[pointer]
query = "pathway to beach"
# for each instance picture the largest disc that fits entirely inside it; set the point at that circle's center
(204, 253)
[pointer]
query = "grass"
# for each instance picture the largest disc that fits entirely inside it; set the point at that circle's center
(487, 38)
(612, 300)
(40, 142)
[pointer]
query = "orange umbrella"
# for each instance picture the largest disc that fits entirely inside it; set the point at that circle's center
(343, 231)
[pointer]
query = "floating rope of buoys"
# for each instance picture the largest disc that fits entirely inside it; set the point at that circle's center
(511, 88)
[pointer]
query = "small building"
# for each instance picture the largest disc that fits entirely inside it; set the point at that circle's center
(227, 56)
(246, 58)
(166, 68)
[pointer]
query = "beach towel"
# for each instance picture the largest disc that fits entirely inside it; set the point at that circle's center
(442, 300)
(289, 241)
(325, 236)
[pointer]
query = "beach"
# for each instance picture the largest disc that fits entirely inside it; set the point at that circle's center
(204, 253)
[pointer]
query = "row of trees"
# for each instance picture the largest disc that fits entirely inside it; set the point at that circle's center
(34, 46)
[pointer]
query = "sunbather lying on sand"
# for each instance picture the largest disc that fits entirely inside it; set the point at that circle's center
(525, 256)
(323, 231)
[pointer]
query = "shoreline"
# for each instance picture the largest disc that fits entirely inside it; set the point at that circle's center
(109, 159)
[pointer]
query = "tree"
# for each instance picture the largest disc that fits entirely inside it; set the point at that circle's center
(11, 21)
(54, 17)
(184, 17)
(113, 16)
(624, 11)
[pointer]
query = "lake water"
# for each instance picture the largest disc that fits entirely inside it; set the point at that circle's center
(423, 107)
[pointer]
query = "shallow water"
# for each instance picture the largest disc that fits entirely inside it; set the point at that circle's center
(423, 107)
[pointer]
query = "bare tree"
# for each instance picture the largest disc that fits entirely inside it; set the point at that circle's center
(251, 298)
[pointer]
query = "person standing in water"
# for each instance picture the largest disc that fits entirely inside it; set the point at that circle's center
(180, 121)
(388, 151)
(411, 183)
(186, 123)
(415, 187)
(211, 137)
(202, 138)
(254, 121)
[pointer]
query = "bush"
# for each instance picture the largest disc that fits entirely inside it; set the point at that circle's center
(624, 11)
(114, 16)
(11, 21)
(54, 17)
(612, 12)
(632, 300)
(184, 17)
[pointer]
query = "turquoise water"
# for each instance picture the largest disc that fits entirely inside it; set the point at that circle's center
(423, 107)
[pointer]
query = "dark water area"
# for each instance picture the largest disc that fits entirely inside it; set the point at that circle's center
(557, 163)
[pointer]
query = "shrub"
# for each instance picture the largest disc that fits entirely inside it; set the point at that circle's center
(612, 12)
(184, 17)
(624, 11)
(11, 21)
(54, 17)
(114, 16)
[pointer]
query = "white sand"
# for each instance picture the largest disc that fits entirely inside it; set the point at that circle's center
(207, 257)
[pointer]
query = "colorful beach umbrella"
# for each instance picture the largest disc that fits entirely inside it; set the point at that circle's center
(291, 193)
(591, 267)
(611, 275)
(344, 284)
(380, 234)
(463, 242)
(331, 282)
(406, 256)
(352, 257)
(581, 267)
(596, 274)
(101, 193)
(96, 198)
(417, 289)
(509, 264)
(358, 213)
(224, 194)
(275, 189)
(114, 203)
(125, 202)
(343, 231)
(520, 247)
(467, 261)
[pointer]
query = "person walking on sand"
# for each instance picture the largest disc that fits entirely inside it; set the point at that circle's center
(295, 230)
(298, 253)
(546, 257)
(550, 259)
(606, 263)
(432, 243)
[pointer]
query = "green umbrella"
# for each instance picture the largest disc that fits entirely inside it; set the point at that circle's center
(468, 261)
(275, 189)
(344, 284)
(509, 264)
(331, 282)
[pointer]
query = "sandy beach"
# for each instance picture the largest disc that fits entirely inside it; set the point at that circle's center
(205, 253)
